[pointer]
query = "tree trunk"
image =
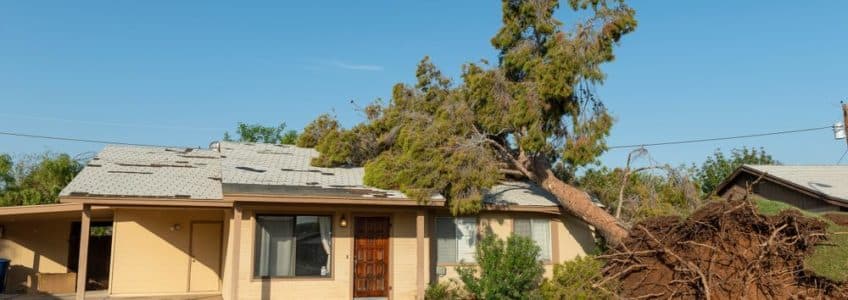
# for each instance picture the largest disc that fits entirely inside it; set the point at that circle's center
(578, 202)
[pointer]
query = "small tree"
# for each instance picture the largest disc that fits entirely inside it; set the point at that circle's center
(507, 270)
(718, 166)
(256, 133)
(36, 179)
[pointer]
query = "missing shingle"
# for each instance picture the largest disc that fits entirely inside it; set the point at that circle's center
(182, 196)
(273, 152)
(287, 170)
(131, 172)
(185, 150)
(312, 183)
(327, 173)
(94, 165)
(199, 156)
(154, 165)
(250, 169)
(215, 178)
(314, 171)
(181, 161)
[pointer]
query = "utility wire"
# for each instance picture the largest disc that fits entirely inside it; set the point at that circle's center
(85, 140)
(842, 157)
(611, 147)
(719, 138)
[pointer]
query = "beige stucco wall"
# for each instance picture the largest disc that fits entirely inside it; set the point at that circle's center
(570, 238)
(34, 247)
(150, 258)
(403, 264)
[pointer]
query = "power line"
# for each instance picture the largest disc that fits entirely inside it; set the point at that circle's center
(611, 147)
(719, 138)
(84, 140)
(842, 157)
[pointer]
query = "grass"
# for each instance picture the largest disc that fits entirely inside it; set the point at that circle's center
(829, 261)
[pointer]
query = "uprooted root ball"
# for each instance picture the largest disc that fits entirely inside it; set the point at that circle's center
(725, 250)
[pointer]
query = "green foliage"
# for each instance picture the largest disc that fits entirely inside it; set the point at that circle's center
(257, 133)
(829, 258)
(719, 166)
(317, 129)
(442, 291)
(35, 179)
(575, 279)
(437, 137)
(668, 191)
(507, 269)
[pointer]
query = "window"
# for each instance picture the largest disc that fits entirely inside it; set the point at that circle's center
(537, 229)
(289, 246)
(456, 239)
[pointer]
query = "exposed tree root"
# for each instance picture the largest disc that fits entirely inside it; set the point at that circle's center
(725, 250)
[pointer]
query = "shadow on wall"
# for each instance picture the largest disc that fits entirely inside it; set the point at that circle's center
(581, 232)
(31, 247)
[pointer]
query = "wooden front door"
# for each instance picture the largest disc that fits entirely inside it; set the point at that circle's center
(371, 257)
(205, 257)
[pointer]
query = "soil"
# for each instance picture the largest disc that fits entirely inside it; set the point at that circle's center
(725, 250)
(838, 218)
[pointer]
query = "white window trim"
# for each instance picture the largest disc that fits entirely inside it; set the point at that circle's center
(457, 232)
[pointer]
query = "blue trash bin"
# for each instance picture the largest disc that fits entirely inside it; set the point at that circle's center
(4, 266)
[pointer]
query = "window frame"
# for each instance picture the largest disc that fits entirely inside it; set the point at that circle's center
(550, 234)
(435, 246)
(255, 245)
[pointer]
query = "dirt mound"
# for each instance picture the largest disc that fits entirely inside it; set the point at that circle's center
(725, 250)
(838, 218)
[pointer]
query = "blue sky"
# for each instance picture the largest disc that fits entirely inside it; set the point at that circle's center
(182, 72)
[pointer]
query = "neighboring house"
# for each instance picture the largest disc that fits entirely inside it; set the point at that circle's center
(257, 221)
(813, 188)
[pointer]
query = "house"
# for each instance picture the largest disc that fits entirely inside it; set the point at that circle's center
(814, 188)
(257, 221)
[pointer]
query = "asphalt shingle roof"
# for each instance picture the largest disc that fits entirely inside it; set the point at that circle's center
(150, 172)
(831, 180)
(131, 171)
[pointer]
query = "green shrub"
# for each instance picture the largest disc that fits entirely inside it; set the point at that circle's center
(442, 291)
(575, 279)
(504, 270)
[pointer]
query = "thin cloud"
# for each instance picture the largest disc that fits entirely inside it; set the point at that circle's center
(355, 67)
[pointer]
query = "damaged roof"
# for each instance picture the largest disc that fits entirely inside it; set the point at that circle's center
(286, 169)
(150, 172)
(246, 168)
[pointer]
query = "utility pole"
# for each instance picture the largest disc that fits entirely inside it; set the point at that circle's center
(845, 120)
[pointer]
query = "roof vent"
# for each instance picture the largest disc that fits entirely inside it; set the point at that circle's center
(215, 145)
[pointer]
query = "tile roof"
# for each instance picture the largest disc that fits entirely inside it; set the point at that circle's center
(831, 180)
(246, 168)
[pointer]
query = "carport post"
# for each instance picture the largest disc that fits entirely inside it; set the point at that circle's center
(82, 266)
(423, 275)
